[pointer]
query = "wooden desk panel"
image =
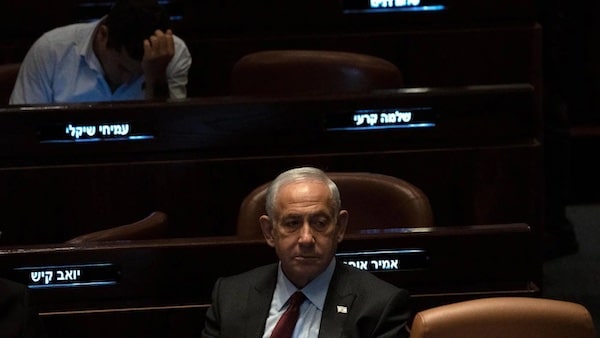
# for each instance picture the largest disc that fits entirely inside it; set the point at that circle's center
(54, 203)
(170, 281)
(183, 270)
(480, 164)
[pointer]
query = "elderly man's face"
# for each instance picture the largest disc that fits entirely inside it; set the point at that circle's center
(306, 232)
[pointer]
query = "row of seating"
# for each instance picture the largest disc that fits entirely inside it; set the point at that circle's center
(221, 31)
(288, 72)
(490, 317)
(392, 203)
(465, 147)
(151, 286)
(501, 317)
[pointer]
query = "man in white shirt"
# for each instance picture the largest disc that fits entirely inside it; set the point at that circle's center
(130, 54)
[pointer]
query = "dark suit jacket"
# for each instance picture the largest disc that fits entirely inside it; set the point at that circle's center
(241, 303)
(18, 316)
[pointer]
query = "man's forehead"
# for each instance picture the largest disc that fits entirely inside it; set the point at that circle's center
(304, 186)
(302, 199)
(313, 211)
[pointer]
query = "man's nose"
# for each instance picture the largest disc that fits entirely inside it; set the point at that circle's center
(306, 234)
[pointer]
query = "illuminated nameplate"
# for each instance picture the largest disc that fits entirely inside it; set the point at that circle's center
(385, 260)
(61, 276)
(94, 132)
(383, 118)
(386, 6)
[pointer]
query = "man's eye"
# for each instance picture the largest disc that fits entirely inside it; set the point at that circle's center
(320, 224)
(292, 224)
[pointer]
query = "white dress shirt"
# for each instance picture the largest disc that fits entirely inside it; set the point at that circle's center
(61, 67)
(310, 311)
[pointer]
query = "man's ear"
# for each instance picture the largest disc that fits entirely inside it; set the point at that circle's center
(342, 222)
(102, 34)
(267, 229)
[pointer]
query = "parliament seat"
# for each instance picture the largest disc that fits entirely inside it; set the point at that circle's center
(152, 226)
(501, 317)
(311, 72)
(374, 202)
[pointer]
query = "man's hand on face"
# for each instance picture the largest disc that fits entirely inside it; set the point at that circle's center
(158, 51)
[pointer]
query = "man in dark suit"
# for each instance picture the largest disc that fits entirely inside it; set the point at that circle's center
(304, 224)
(18, 317)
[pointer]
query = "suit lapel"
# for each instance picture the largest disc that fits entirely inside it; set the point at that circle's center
(338, 305)
(259, 303)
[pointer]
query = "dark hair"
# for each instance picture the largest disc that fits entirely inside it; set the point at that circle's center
(129, 22)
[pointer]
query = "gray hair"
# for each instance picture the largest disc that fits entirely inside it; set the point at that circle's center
(298, 175)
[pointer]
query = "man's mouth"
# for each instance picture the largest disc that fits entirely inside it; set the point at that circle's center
(306, 258)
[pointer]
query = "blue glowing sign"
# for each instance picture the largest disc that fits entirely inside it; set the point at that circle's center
(61, 276)
(93, 132)
(386, 6)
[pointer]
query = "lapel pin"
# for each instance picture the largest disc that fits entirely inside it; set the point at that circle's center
(342, 309)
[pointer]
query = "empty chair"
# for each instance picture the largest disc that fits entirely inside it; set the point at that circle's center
(311, 72)
(153, 226)
(505, 317)
(8, 76)
(374, 201)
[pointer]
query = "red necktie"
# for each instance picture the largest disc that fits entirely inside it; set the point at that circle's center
(287, 322)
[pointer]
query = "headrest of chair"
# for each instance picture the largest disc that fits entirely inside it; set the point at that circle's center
(308, 72)
(374, 201)
(153, 226)
(501, 317)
